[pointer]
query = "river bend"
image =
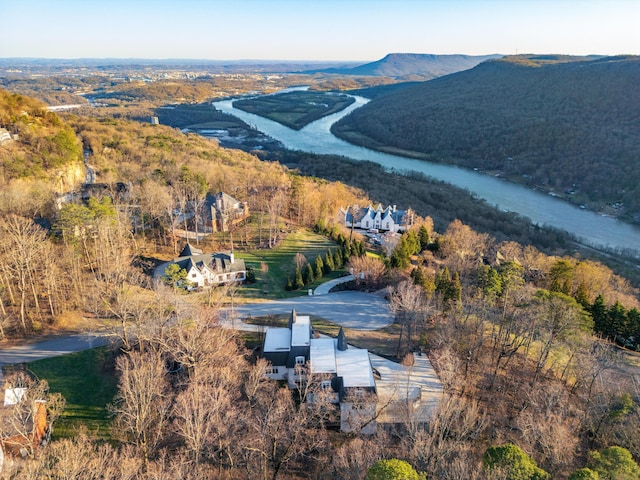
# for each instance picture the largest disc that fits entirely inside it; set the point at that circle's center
(591, 228)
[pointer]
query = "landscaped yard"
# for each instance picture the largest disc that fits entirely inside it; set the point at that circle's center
(274, 266)
(88, 383)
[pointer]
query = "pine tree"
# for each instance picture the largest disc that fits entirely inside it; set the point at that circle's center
(423, 236)
(337, 259)
(328, 262)
(319, 267)
(598, 311)
(307, 275)
(299, 282)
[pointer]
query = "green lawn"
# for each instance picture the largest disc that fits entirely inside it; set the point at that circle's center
(280, 264)
(87, 381)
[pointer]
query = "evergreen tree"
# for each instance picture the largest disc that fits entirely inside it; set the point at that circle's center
(423, 237)
(514, 461)
(489, 282)
(299, 282)
(319, 267)
(454, 292)
(337, 258)
(328, 262)
(307, 275)
(617, 320)
(598, 311)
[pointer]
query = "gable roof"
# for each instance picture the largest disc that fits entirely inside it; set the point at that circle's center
(189, 251)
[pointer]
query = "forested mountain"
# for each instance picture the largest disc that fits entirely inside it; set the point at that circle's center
(563, 124)
(414, 65)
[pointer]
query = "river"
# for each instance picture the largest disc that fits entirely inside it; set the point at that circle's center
(591, 228)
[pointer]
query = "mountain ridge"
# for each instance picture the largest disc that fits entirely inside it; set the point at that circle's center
(413, 66)
(568, 126)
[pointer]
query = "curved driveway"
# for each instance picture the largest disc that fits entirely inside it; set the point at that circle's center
(356, 310)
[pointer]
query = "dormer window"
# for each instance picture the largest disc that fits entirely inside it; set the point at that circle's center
(300, 360)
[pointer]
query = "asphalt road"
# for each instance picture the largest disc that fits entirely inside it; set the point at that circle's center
(356, 310)
(50, 348)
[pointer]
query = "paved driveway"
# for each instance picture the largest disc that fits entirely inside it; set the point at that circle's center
(357, 310)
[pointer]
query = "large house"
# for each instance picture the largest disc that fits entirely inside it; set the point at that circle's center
(226, 212)
(210, 269)
(337, 369)
(388, 219)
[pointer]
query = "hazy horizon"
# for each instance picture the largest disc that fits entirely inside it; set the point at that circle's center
(319, 31)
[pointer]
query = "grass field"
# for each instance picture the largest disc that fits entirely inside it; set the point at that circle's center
(272, 280)
(295, 109)
(88, 383)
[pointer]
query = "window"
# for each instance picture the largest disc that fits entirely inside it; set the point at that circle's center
(271, 371)
(193, 275)
(325, 384)
(300, 360)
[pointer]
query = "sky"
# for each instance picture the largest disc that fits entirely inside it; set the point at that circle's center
(323, 30)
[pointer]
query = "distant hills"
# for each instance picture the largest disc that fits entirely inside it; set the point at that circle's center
(570, 125)
(413, 66)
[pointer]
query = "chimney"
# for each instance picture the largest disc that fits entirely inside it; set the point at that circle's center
(394, 208)
(232, 257)
(342, 341)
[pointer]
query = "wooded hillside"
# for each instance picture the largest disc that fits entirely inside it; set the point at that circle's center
(41, 146)
(557, 123)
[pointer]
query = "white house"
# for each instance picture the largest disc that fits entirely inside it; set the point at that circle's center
(336, 368)
(210, 269)
(388, 219)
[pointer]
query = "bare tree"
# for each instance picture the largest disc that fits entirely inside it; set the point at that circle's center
(141, 406)
(409, 305)
(23, 246)
(367, 270)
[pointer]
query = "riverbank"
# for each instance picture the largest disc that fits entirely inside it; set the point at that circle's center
(589, 228)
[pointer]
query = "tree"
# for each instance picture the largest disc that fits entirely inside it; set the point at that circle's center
(319, 267)
(407, 302)
(614, 463)
(308, 274)
(367, 270)
(560, 319)
(393, 469)
(423, 237)
(173, 275)
(513, 462)
(22, 245)
(584, 474)
(141, 406)
(299, 281)
(329, 266)
(409, 245)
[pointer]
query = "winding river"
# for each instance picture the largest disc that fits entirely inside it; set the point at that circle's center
(591, 228)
